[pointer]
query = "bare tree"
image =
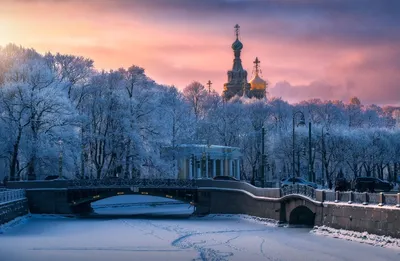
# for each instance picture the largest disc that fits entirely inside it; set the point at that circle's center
(195, 94)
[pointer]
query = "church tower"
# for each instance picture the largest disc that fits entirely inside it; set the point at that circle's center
(237, 78)
(258, 87)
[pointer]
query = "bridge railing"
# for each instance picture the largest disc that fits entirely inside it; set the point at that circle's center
(350, 197)
(118, 183)
(298, 189)
(378, 199)
(11, 195)
(256, 191)
(329, 196)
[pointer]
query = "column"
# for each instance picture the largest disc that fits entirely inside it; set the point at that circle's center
(207, 167)
(190, 168)
(238, 169)
(214, 165)
(222, 167)
(180, 168)
(230, 168)
(198, 167)
(182, 173)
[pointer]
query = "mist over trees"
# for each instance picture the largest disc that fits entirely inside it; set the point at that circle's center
(115, 123)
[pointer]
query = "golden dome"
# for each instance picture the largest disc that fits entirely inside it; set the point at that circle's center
(257, 83)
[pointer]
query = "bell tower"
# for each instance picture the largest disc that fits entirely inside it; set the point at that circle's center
(237, 77)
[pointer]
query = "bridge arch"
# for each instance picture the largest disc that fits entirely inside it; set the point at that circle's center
(302, 215)
(299, 210)
(80, 200)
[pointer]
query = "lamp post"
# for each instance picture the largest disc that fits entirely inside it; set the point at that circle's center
(312, 165)
(301, 123)
(262, 156)
(309, 153)
(60, 159)
(375, 138)
(323, 153)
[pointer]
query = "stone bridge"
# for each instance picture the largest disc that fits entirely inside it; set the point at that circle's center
(293, 204)
(76, 196)
(296, 204)
(374, 213)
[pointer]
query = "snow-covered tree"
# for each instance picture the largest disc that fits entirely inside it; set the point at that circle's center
(59, 108)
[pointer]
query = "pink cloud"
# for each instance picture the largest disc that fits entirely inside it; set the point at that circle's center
(303, 53)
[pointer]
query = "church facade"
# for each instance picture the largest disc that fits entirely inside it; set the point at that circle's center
(237, 84)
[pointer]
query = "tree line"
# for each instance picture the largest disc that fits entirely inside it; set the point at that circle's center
(59, 115)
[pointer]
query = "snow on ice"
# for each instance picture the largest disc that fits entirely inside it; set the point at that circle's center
(361, 237)
(209, 238)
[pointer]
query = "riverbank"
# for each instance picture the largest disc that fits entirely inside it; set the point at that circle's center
(364, 237)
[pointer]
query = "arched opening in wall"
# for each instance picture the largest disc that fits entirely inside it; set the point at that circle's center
(302, 215)
(82, 209)
(127, 201)
(145, 205)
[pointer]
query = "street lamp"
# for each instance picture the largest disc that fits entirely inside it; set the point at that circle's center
(312, 165)
(262, 156)
(301, 123)
(375, 150)
(310, 170)
(60, 159)
(323, 152)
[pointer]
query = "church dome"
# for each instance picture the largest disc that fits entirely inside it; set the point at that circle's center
(257, 83)
(237, 45)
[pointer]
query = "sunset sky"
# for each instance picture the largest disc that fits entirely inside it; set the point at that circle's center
(328, 49)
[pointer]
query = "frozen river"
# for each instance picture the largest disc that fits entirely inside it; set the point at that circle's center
(214, 238)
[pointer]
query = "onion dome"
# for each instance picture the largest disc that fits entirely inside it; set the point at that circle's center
(237, 45)
(257, 83)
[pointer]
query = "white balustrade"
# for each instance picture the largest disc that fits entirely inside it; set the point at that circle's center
(11, 195)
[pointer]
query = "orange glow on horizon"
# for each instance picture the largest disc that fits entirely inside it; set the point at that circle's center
(177, 52)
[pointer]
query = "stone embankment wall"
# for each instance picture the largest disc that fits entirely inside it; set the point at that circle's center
(48, 201)
(219, 197)
(13, 204)
(373, 213)
(379, 220)
(234, 202)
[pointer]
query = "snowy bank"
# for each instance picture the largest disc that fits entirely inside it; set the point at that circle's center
(361, 237)
(13, 223)
(24, 219)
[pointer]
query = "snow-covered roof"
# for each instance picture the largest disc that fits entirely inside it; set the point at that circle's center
(214, 151)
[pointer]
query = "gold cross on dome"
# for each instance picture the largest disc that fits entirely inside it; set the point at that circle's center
(257, 62)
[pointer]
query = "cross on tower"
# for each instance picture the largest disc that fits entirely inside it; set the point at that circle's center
(257, 62)
(237, 27)
(209, 86)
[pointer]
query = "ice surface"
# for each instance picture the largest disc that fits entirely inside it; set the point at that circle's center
(122, 199)
(210, 238)
(141, 204)
(181, 209)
